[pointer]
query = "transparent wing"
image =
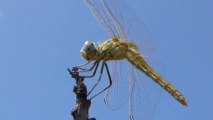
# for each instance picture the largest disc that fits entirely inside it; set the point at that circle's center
(133, 85)
(144, 92)
(101, 14)
(119, 20)
(116, 96)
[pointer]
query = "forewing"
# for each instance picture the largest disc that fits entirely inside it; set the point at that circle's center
(129, 26)
(101, 14)
(116, 96)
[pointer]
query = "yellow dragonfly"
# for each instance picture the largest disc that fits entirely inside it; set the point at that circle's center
(133, 73)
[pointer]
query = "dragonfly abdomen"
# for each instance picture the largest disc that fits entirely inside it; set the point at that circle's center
(136, 59)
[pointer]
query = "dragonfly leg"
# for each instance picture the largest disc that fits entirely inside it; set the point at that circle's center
(99, 79)
(110, 80)
(96, 64)
(86, 70)
(83, 69)
(78, 66)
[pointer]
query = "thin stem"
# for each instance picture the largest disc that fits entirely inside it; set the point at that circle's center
(81, 108)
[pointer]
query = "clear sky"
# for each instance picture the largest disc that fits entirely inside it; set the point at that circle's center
(39, 39)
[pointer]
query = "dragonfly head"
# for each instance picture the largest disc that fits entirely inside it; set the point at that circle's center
(89, 50)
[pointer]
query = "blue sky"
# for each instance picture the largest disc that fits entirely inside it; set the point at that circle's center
(39, 39)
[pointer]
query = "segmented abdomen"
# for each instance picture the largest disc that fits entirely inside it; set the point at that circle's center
(136, 59)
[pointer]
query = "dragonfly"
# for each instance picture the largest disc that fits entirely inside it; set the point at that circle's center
(134, 75)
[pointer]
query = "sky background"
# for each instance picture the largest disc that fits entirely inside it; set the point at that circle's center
(40, 39)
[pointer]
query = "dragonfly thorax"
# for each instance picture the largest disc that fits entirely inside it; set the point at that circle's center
(111, 49)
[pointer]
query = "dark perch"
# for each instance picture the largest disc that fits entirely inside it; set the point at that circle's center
(81, 108)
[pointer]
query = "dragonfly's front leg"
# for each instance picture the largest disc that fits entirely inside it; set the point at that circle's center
(80, 69)
(95, 65)
(99, 79)
(79, 66)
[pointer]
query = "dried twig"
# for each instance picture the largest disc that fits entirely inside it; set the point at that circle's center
(81, 108)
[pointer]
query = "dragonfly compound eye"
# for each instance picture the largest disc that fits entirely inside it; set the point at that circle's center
(88, 51)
